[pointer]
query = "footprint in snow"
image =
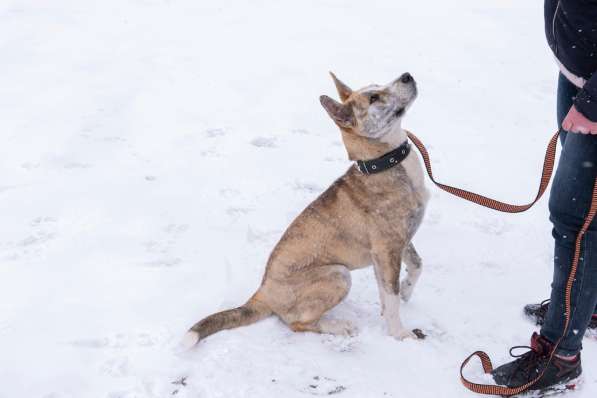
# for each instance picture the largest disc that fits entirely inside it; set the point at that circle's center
(37, 239)
(210, 153)
(103, 139)
(324, 386)
(491, 265)
(42, 220)
(121, 340)
(90, 343)
(433, 218)
(30, 165)
(264, 142)
(112, 139)
(163, 262)
(176, 229)
(116, 367)
(180, 384)
(213, 133)
(254, 236)
(238, 211)
(340, 343)
(229, 193)
(495, 226)
(4, 188)
(307, 187)
(161, 247)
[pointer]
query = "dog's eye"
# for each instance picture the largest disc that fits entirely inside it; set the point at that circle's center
(373, 98)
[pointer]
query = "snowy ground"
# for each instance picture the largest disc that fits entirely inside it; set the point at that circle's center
(153, 151)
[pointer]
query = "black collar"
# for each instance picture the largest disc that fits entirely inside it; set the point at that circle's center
(384, 162)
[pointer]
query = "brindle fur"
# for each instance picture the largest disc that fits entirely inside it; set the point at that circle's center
(358, 221)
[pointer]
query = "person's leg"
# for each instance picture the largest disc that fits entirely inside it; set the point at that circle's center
(566, 93)
(569, 203)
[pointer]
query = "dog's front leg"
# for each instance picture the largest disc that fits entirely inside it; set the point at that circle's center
(387, 270)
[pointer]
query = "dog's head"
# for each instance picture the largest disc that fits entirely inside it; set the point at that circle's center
(373, 111)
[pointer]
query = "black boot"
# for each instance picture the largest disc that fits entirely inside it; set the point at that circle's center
(559, 375)
(537, 313)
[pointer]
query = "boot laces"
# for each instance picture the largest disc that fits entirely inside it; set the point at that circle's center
(545, 303)
(543, 307)
(529, 362)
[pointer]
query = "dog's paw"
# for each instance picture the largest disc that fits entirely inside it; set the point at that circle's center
(404, 334)
(406, 290)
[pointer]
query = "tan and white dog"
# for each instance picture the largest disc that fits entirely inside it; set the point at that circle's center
(360, 220)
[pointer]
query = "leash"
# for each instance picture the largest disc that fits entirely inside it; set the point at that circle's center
(550, 154)
(484, 201)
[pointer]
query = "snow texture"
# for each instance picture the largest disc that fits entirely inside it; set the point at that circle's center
(153, 151)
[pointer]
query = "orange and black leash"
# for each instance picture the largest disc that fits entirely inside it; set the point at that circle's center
(548, 163)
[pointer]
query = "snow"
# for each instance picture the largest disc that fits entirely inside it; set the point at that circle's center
(153, 151)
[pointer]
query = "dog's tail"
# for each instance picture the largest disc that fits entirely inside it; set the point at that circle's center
(251, 312)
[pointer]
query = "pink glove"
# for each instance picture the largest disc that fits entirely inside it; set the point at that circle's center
(575, 122)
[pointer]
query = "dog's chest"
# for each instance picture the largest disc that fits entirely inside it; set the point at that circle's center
(399, 207)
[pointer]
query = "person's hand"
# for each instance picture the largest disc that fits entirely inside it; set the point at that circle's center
(576, 122)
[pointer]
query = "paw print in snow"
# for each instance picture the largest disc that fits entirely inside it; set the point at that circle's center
(264, 142)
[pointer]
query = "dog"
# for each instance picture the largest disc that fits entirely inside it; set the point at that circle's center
(364, 218)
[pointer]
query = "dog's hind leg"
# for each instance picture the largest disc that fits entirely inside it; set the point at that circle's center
(320, 290)
(414, 267)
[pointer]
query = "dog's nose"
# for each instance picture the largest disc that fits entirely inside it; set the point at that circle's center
(406, 78)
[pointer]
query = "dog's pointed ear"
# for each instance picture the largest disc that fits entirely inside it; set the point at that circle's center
(343, 90)
(342, 114)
